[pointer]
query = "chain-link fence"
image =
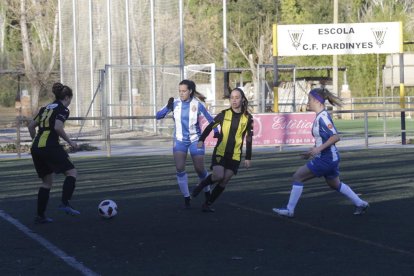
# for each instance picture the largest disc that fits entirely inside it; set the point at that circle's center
(95, 33)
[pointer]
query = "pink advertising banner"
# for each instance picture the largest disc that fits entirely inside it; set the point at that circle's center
(278, 129)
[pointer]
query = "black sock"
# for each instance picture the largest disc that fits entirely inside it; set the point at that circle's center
(207, 195)
(68, 188)
(215, 194)
(207, 181)
(204, 183)
(42, 199)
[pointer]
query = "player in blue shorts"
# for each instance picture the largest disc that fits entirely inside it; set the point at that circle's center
(187, 110)
(324, 156)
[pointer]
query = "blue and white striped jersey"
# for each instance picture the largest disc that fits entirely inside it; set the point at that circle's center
(186, 118)
(323, 128)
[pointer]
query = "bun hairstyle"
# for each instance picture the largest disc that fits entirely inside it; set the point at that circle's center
(193, 91)
(323, 94)
(245, 102)
(61, 91)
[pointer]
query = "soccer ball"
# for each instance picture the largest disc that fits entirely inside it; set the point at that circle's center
(107, 208)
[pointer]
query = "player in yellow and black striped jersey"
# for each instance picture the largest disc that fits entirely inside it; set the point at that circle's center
(236, 125)
(48, 155)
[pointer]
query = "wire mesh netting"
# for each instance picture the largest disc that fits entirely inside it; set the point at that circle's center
(130, 33)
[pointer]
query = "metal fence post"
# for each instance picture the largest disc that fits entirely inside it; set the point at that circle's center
(18, 136)
(104, 109)
(366, 128)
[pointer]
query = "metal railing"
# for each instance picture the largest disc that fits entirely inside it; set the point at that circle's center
(107, 134)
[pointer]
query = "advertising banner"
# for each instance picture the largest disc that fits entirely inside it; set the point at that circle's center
(276, 129)
(339, 39)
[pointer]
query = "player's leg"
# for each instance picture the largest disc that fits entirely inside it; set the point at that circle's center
(180, 156)
(217, 175)
(60, 161)
(299, 177)
(360, 205)
(225, 172)
(46, 174)
(69, 185)
(43, 199)
(220, 187)
(197, 155)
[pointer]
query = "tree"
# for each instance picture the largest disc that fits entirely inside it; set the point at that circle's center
(37, 25)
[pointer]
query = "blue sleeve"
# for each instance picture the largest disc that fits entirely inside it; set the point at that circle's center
(162, 113)
(326, 129)
(207, 115)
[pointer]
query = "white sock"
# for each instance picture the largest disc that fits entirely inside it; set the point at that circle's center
(347, 191)
(295, 193)
(182, 180)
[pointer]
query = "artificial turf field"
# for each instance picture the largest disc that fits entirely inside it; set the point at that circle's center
(154, 235)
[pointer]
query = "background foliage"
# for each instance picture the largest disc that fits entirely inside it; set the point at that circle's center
(249, 25)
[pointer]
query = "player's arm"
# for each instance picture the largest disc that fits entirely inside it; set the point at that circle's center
(34, 123)
(216, 121)
(208, 117)
(249, 142)
(331, 141)
(59, 128)
(32, 128)
(328, 129)
(166, 109)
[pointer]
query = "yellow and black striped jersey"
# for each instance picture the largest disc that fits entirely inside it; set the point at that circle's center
(46, 135)
(234, 128)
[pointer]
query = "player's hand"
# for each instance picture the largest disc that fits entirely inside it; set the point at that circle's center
(305, 155)
(170, 104)
(247, 163)
(314, 151)
(73, 145)
(216, 134)
(200, 144)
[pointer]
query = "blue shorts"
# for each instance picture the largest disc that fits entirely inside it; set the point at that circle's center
(322, 167)
(185, 146)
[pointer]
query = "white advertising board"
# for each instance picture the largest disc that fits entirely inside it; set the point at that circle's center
(338, 39)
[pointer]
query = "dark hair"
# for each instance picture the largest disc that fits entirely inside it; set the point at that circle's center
(193, 91)
(326, 95)
(245, 102)
(61, 91)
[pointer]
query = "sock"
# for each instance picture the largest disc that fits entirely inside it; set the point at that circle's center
(182, 179)
(203, 176)
(347, 191)
(207, 181)
(68, 188)
(295, 193)
(207, 196)
(215, 194)
(42, 199)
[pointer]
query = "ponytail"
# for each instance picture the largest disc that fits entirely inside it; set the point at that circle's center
(61, 91)
(323, 94)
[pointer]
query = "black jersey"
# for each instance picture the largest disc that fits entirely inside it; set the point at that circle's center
(46, 135)
(234, 128)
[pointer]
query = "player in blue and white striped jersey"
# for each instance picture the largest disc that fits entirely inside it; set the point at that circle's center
(324, 156)
(187, 110)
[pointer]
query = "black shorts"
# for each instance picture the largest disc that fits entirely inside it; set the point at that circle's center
(227, 163)
(51, 160)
